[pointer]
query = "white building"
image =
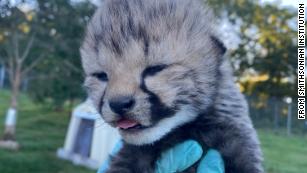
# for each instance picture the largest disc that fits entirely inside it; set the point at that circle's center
(89, 140)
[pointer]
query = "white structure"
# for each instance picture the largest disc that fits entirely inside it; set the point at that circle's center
(89, 140)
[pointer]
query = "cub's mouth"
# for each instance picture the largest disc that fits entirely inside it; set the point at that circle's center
(129, 125)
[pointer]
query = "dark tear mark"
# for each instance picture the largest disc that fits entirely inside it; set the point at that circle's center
(157, 108)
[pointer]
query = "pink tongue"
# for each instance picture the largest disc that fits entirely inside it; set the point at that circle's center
(126, 124)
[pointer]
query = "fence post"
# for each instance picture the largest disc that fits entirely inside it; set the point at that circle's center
(289, 118)
(276, 115)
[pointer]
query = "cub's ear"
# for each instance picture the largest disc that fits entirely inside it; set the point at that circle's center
(218, 45)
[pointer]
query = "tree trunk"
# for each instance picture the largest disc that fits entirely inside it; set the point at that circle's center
(11, 116)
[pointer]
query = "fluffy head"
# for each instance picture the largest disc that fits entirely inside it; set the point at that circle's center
(151, 65)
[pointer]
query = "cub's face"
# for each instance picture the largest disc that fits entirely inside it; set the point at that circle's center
(144, 77)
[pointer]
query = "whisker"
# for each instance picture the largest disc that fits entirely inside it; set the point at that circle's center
(100, 125)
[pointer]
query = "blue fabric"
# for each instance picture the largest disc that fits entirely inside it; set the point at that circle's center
(211, 163)
(181, 157)
(105, 165)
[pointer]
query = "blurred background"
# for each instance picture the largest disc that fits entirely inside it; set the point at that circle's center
(41, 78)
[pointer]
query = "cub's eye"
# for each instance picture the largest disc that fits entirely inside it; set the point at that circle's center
(152, 70)
(102, 76)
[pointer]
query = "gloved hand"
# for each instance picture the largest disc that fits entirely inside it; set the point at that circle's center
(184, 155)
(181, 157)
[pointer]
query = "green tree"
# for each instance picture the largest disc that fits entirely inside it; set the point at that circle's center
(42, 43)
(267, 49)
(65, 22)
(18, 52)
(267, 44)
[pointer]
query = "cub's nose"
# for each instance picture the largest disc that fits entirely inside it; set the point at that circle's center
(121, 105)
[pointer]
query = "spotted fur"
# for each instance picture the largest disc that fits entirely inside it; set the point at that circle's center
(164, 54)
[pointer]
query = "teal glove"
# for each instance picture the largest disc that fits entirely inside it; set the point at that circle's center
(181, 157)
(184, 155)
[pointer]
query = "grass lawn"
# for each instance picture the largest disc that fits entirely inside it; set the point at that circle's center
(284, 154)
(40, 132)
